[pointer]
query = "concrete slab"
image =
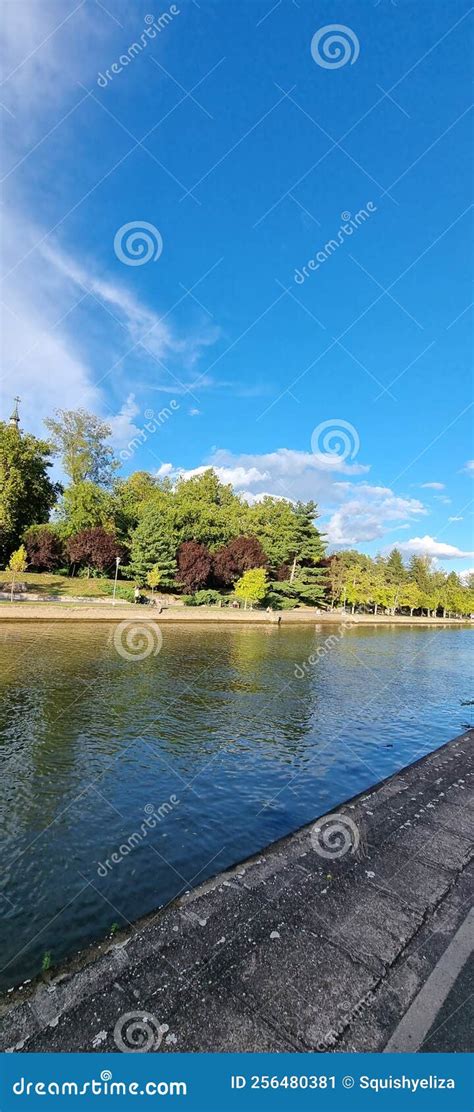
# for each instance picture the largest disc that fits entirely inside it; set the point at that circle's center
(292, 949)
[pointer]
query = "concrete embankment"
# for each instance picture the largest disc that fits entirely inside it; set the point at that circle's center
(294, 949)
(106, 612)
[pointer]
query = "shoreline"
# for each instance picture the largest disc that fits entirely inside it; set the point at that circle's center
(206, 965)
(107, 612)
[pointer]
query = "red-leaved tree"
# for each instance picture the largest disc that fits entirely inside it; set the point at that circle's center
(194, 565)
(94, 548)
(44, 548)
(236, 557)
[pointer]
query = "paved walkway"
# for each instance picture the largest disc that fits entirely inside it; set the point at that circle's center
(293, 950)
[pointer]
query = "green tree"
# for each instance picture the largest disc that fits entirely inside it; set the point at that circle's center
(153, 545)
(395, 568)
(80, 438)
(419, 571)
(252, 587)
(85, 505)
(27, 494)
(131, 495)
(410, 596)
(207, 511)
(17, 565)
(452, 595)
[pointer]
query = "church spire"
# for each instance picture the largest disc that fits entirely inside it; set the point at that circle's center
(15, 417)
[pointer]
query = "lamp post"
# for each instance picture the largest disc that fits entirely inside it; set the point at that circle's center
(117, 562)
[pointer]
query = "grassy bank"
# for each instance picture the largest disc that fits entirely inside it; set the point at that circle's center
(44, 584)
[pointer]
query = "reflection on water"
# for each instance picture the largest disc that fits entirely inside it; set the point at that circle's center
(220, 719)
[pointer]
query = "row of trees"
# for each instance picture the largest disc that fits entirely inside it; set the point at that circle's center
(357, 581)
(193, 535)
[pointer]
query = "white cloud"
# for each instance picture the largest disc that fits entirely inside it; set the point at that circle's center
(48, 352)
(145, 328)
(464, 575)
(469, 466)
(47, 47)
(429, 546)
(432, 486)
(455, 518)
(284, 473)
(351, 512)
(368, 512)
(123, 428)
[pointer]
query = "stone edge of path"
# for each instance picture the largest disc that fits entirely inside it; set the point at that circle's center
(51, 612)
(285, 950)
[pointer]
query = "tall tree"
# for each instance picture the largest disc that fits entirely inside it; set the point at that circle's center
(27, 494)
(194, 565)
(85, 506)
(131, 495)
(153, 544)
(238, 556)
(80, 438)
(94, 548)
(44, 547)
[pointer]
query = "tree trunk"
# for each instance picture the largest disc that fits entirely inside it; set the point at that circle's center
(13, 587)
(293, 570)
(375, 608)
(353, 608)
(411, 611)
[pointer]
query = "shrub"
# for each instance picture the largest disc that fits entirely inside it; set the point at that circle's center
(203, 598)
(123, 591)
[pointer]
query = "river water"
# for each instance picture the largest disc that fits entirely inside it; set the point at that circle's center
(225, 739)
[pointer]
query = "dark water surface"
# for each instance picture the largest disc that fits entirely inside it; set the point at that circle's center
(91, 743)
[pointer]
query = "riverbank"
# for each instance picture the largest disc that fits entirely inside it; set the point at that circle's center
(106, 612)
(299, 948)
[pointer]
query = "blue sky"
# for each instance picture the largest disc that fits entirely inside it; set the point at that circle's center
(249, 145)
